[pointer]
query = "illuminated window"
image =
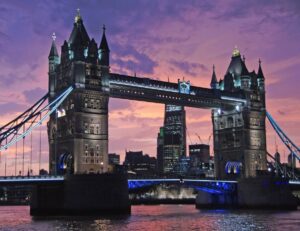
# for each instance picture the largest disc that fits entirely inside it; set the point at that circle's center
(85, 52)
(71, 54)
(86, 128)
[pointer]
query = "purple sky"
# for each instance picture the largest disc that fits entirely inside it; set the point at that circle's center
(157, 39)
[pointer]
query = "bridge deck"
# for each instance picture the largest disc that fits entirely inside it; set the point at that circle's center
(144, 89)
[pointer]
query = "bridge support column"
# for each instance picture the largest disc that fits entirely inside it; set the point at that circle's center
(102, 194)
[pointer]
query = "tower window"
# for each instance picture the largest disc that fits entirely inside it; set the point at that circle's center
(92, 129)
(85, 128)
(71, 54)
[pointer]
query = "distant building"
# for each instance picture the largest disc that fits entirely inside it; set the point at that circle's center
(113, 159)
(199, 153)
(277, 157)
(182, 167)
(139, 164)
(291, 161)
(171, 140)
(160, 150)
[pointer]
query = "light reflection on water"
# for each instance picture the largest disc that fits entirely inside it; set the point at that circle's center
(156, 218)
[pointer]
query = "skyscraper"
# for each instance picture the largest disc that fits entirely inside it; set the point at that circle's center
(171, 139)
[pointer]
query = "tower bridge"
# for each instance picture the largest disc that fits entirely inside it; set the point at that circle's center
(81, 83)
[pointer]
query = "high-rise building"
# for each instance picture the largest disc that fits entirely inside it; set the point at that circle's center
(160, 151)
(78, 132)
(292, 160)
(171, 141)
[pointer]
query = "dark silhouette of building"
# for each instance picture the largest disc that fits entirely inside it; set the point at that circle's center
(160, 151)
(291, 161)
(171, 141)
(199, 153)
(240, 132)
(113, 159)
(139, 164)
(78, 132)
(277, 157)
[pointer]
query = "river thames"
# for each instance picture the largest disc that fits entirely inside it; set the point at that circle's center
(156, 217)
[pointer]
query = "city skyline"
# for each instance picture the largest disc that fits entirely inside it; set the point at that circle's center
(147, 45)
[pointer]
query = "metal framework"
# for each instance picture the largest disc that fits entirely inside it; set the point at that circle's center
(15, 130)
(294, 149)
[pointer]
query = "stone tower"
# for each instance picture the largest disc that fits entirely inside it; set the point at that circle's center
(240, 132)
(78, 132)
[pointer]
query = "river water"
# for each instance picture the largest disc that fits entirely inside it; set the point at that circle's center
(156, 218)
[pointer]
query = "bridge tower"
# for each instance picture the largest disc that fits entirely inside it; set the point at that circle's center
(240, 132)
(78, 132)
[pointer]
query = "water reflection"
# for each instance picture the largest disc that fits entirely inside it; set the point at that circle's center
(156, 218)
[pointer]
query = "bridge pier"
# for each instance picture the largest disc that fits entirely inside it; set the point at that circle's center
(263, 192)
(98, 194)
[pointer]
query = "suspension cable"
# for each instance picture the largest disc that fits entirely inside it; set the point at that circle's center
(23, 156)
(30, 160)
(40, 148)
(16, 158)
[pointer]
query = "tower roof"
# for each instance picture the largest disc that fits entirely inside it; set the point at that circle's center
(53, 50)
(104, 44)
(260, 74)
(79, 34)
(237, 66)
(213, 77)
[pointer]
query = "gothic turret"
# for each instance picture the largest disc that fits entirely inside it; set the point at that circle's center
(260, 77)
(214, 82)
(53, 55)
(53, 59)
(79, 40)
(103, 50)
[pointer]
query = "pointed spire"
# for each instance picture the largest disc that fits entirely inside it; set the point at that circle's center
(53, 50)
(260, 74)
(235, 52)
(79, 34)
(214, 81)
(78, 16)
(104, 45)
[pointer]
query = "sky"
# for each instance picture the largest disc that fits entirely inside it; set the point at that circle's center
(157, 39)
